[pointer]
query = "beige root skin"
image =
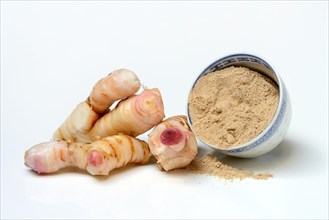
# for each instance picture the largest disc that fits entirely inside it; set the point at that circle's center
(98, 158)
(77, 126)
(119, 84)
(169, 153)
(132, 116)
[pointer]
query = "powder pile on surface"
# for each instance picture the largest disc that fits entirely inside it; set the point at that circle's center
(231, 106)
(209, 165)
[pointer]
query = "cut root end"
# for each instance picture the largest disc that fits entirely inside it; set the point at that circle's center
(171, 136)
(95, 158)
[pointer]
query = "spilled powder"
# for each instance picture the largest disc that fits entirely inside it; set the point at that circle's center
(231, 106)
(209, 165)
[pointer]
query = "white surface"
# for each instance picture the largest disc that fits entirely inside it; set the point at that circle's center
(52, 53)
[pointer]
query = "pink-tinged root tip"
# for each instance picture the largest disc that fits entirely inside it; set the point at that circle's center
(39, 167)
(171, 136)
(95, 158)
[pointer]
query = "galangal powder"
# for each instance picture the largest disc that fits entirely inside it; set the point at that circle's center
(231, 106)
(209, 165)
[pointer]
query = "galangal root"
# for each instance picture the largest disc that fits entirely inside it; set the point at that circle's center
(173, 143)
(133, 115)
(98, 157)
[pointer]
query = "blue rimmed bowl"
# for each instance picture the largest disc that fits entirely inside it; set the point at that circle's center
(274, 133)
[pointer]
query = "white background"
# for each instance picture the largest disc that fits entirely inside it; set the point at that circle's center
(53, 52)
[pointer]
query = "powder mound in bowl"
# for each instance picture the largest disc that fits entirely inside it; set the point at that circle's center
(209, 165)
(231, 106)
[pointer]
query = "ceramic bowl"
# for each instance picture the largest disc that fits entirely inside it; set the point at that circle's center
(274, 133)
